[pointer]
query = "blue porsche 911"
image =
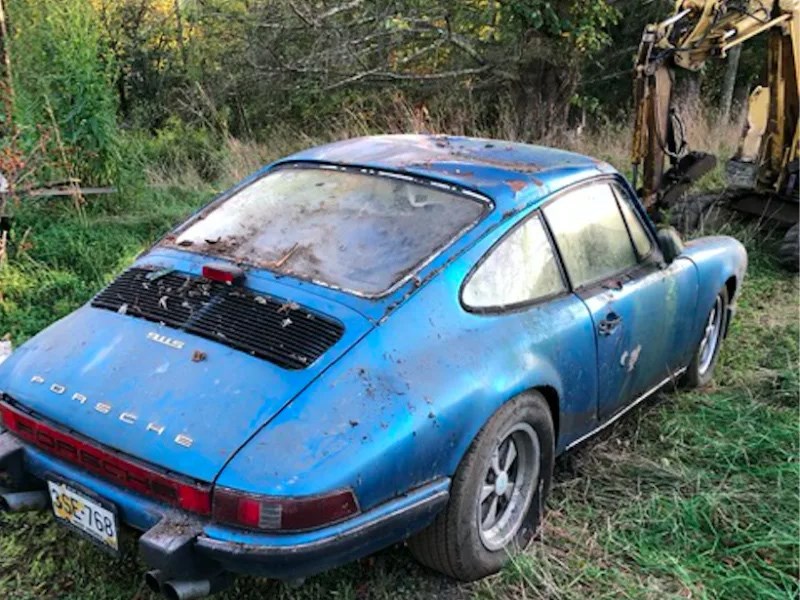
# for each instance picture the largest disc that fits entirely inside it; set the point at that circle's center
(382, 339)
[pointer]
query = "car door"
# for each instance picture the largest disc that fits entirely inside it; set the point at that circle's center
(619, 278)
(680, 283)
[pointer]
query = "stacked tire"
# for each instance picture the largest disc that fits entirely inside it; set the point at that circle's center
(789, 251)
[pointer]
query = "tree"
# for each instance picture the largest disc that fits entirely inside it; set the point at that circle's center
(150, 41)
(529, 50)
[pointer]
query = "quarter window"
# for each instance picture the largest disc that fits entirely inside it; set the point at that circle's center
(590, 233)
(641, 240)
(520, 269)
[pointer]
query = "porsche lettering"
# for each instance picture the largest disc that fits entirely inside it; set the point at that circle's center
(105, 408)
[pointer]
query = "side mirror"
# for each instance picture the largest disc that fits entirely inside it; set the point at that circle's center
(670, 242)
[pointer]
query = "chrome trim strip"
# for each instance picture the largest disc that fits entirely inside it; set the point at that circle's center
(623, 412)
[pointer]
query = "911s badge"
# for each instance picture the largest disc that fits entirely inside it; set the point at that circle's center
(167, 341)
(104, 408)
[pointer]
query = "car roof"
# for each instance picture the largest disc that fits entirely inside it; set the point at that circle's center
(507, 172)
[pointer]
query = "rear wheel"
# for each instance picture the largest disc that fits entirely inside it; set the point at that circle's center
(497, 495)
(701, 369)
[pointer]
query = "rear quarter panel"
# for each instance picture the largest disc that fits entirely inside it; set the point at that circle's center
(403, 406)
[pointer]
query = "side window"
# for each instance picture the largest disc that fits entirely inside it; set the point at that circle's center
(641, 240)
(521, 268)
(590, 233)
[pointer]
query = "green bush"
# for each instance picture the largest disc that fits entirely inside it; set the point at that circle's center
(63, 79)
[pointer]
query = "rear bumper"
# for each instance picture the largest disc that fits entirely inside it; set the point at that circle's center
(372, 531)
(180, 544)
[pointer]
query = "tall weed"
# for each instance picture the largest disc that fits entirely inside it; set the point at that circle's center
(63, 79)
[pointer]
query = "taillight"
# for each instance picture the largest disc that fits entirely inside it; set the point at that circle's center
(108, 464)
(270, 513)
(223, 273)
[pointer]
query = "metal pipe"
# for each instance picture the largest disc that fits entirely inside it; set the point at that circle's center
(755, 31)
(24, 501)
(192, 589)
(675, 18)
(153, 580)
(187, 590)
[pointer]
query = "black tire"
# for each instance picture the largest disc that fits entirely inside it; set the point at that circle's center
(453, 543)
(789, 251)
(701, 370)
(691, 211)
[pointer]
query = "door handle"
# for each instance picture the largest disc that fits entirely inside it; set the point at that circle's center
(609, 324)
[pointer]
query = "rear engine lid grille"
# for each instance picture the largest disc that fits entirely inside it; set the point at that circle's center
(281, 332)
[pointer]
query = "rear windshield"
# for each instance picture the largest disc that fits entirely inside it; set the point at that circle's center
(351, 229)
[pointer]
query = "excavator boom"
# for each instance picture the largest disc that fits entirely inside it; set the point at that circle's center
(697, 31)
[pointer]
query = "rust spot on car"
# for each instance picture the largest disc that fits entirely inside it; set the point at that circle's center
(511, 165)
(199, 356)
(516, 184)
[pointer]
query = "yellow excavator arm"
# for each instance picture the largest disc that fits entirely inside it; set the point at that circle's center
(697, 31)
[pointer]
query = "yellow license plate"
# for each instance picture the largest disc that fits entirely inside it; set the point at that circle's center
(85, 514)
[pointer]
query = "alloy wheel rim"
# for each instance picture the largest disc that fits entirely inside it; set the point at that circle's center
(508, 486)
(711, 335)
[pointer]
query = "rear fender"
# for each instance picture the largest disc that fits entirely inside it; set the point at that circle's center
(404, 405)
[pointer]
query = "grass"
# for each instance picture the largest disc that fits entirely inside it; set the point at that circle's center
(694, 496)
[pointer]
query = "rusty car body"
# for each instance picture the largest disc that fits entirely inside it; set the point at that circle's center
(271, 391)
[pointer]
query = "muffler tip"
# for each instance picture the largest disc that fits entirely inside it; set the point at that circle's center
(153, 579)
(186, 590)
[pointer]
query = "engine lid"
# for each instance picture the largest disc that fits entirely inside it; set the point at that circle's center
(165, 395)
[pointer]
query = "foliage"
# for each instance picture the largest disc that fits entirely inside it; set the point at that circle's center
(176, 147)
(149, 42)
(243, 65)
(62, 76)
(249, 68)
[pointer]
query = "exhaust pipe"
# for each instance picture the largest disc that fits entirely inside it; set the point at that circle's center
(192, 589)
(24, 501)
(154, 580)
